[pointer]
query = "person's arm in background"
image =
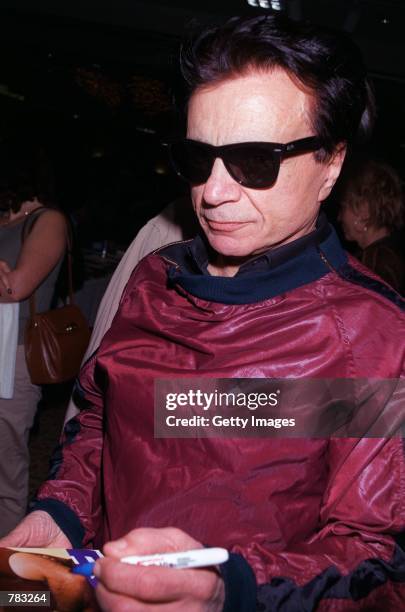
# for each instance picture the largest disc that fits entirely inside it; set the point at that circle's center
(42, 249)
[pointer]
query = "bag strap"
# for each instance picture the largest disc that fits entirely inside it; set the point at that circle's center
(26, 230)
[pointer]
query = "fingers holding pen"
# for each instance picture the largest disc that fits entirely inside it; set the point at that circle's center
(123, 586)
(153, 583)
(157, 588)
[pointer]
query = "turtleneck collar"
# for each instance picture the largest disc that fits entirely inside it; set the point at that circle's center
(264, 276)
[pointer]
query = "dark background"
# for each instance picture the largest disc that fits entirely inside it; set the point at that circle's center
(89, 84)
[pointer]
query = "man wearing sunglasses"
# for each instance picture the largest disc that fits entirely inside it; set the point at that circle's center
(265, 291)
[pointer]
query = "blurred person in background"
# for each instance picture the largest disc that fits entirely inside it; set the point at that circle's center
(371, 215)
(177, 221)
(24, 269)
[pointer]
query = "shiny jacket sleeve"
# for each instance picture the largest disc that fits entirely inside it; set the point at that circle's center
(71, 495)
(354, 561)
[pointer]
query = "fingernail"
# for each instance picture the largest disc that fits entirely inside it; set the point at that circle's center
(9, 290)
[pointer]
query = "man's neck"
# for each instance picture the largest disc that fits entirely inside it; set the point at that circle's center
(226, 266)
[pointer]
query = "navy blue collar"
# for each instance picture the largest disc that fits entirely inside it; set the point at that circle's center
(276, 271)
(199, 252)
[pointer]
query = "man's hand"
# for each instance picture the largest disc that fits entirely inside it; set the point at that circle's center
(130, 588)
(37, 529)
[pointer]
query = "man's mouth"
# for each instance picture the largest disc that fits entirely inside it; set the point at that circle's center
(225, 226)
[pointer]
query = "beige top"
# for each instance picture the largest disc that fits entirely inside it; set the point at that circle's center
(175, 222)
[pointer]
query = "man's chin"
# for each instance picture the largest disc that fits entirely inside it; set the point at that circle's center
(228, 246)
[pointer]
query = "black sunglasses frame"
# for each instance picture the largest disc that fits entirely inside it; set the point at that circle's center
(277, 151)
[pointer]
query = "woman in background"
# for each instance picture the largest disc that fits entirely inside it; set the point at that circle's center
(24, 269)
(371, 215)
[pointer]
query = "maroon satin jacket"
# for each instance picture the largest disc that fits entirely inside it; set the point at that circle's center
(317, 519)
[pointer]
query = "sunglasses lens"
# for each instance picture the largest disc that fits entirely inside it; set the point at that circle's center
(252, 167)
(192, 161)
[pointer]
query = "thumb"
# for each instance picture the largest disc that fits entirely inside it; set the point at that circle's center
(148, 541)
(38, 529)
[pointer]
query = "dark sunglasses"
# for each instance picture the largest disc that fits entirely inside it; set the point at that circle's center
(251, 164)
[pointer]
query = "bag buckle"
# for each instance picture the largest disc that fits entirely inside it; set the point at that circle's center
(71, 327)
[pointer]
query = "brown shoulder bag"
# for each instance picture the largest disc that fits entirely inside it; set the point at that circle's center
(55, 340)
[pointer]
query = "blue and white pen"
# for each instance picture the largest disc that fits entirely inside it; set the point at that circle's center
(201, 557)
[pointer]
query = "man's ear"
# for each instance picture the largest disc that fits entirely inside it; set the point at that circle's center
(333, 168)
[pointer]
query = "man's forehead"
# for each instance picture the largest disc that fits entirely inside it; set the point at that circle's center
(259, 105)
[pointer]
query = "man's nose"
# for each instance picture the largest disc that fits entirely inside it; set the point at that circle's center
(220, 186)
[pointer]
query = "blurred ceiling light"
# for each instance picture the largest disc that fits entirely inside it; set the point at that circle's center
(161, 169)
(145, 130)
(269, 4)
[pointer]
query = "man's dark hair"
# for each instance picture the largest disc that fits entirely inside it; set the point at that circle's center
(325, 62)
